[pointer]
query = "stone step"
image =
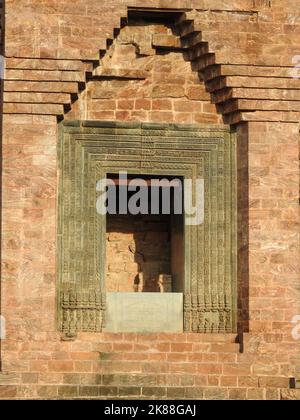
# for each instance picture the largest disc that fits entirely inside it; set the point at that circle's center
(47, 64)
(285, 73)
(198, 51)
(225, 94)
(258, 105)
(192, 40)
(203, 62)
(42, 98)
(44, 75)
(187, 28)
(251, 82)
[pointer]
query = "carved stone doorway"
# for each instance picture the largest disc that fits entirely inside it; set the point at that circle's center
(89, 151)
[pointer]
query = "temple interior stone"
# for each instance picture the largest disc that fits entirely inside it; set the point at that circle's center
(144, 253)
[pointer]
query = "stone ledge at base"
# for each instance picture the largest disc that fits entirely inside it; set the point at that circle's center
(144, 312)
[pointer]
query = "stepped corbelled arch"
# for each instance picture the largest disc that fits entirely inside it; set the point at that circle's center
(245, 86)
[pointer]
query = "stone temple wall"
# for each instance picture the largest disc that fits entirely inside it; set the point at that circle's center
(228, 62)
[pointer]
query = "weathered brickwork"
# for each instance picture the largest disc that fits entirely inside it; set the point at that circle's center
(206, 61)
(144, 77)
(137, 245)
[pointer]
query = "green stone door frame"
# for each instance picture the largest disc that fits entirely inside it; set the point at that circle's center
(90, 150)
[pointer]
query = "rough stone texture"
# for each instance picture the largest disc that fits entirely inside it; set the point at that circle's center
(244, 50)
(137, 245)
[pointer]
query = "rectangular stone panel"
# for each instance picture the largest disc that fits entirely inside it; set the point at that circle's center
(144, 312)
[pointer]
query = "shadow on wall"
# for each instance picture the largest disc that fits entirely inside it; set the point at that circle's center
(138, 252)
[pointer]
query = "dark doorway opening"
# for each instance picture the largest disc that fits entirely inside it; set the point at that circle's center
(145, 251)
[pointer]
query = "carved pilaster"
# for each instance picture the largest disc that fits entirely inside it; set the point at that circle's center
(82, 311)
(202, 318)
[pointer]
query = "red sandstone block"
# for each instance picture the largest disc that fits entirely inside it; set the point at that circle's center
(195, 357)
(105, 105)
(227, 358)
(122, 366)
(47, 391)
(125, 104)
(110, 356)
(210, 357)
(237, 369)
(183, 117)
(210, 369)
(146, 338)
(61, 366)
(228, 381)
(139, 116)
(167, 380)
(185, 368)
(29, 378)
(157, 357)
(216, 393)
(60, 355)
(161, 105)
(197, 93)
(209, 108)
(266, 368)
(119, 347)
(133, 356)
(142, 104)
(131, 337)
(161, 116)
(53, 98)
(290, 394)
(103, 115)
(141, 347)
(59, 87)
(38, 366)
(177, 357)
(256, 394)
(248, 381)
(156, 368)
(213, 381)
(8, 391)
(167, 91)
(187, 380)
(201, 380)
(160, 347)
(201, 347)
(36, 108)
(185, 106)
(272, 394)
(79, 346)
(237, 394)
(170, 41)
(181, 347)
(273, 382)
(10, 378)
(205, 118)
(225, 348)
(86, 356)
(166, 337)
(47, 378)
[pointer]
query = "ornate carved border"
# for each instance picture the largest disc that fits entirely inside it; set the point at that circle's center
(90, 150)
